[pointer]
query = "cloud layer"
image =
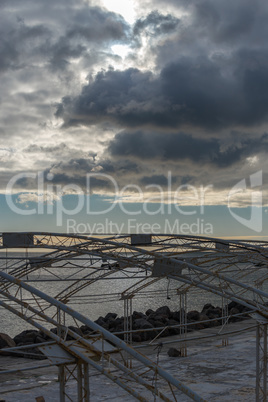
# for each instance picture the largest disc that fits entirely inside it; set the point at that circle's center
(187, 94)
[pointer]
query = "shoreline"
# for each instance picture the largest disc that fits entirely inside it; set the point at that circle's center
(146, 327)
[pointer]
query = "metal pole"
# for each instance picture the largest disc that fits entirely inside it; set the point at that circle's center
(62, 382)
(183, 322)
(265, 362)
(257, 389)
(86, 383)
(261, 363)
(79, 382)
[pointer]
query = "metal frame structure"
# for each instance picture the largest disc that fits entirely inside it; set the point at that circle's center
(233, 270)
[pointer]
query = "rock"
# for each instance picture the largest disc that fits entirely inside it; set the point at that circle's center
(101, 321)
(173, 331)
(85, 329)
(44, 336)
(173, 352)
(110, 315)
(149, 312)
(26, 337)
(175, 316)
(136, 338)
(39, 339)
(141, 323)
(6, 341)
(165, 310)
(76, 330)
(137, 315)
(213, 312)
(193, 316)
(163, 319)
(234, 311)
(204, 317)
(207, 306)
(156, 324)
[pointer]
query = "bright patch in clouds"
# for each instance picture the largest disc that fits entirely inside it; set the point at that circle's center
(120, 50)
(123, 7)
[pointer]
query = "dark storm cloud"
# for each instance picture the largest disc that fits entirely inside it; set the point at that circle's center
(212, 73)
(155, 24)
(233, 24)
(181, 146)
(77, 171)
(191, 91)
(127, 97)
(96, 24)
(87, 28)
(60, 38)
(190, 96)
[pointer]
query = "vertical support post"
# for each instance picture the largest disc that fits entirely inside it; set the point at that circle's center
(59, 321)
(130, 333)
(61, 375)
(261, 362)
(225, 318)
(128, 326)
(79, 382)
(86, 383)
(183, 322)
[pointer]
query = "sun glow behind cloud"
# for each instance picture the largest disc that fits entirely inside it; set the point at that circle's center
(123, 7)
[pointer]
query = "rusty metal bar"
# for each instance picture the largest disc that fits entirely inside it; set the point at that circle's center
(119, 343)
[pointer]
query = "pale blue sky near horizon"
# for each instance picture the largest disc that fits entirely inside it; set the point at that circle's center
(215, 220)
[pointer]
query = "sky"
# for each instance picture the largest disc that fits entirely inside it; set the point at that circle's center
(149, 111)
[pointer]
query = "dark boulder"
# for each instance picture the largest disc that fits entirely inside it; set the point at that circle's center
(173, 352)
(39, 339)
(158, 317)
(175, 316)
(172, 330)
(207, 307)
(85, 329)
(137, 315)
(6, 341)
(141, 323)
(193, 315)
(26, 337)
(165, 311)
(100, 321)
(204, 317)
(109, 316)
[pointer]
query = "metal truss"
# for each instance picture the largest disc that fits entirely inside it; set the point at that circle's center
(233, 270)
(261, 362)
(93, 350)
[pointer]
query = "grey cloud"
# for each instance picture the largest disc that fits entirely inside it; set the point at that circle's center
(219, 22)
(8, 55)
(181, 146)
(191, 91)
(17, 39)
(155, 179)
(155, 24)
(96, 24)
(60, 37)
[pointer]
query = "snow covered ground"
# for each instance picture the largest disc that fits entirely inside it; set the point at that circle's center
(215, 372)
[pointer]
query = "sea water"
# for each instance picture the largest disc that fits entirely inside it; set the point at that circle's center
(103, 295)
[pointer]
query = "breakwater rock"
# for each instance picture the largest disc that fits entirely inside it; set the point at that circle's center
(146, 326)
